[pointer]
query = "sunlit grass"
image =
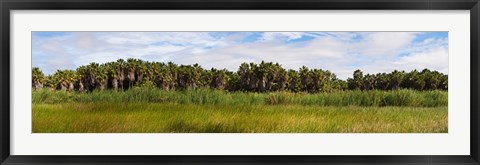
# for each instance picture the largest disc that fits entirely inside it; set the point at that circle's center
(138, 117)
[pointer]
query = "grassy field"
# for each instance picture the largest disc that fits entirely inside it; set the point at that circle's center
(209, 111)
(375, 98)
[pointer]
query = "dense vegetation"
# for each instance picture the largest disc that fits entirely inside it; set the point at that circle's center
(374, 98)
(263, 77)
(134, 117)
(154, 110)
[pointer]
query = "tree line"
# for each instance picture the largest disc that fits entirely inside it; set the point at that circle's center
(122, 75)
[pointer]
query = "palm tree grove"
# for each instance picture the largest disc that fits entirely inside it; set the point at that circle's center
(134, 95)
(264, 77)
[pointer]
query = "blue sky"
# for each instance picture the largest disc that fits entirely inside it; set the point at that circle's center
(340, 52)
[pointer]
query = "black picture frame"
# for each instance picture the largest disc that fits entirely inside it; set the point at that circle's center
(8, 5)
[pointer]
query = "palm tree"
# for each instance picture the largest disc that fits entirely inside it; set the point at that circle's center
(338, 84)
(121, 72)
(131, 67)
(82, 77)
(101, 77)
(148, 71)
(282, 79)
(161, 75)
(383, 81)
(304, 77)
(140, 70)
(358, 79)
(184, 75)
(112, 72)
(173, 70)
(327, 84)
(244, 71)
(410, 79)
(271, 74)
(37, 78)
(293, 81)
(434, 80)
(314, 75)
(62, 80)
(261, 72)
(253, 72)
(51, 82)
(206, 79)
(262, 77)
(167, 79)
(92, 70)
(232, 81)
(369, 81)
(444, 82)
(71, 78)
(396, 79)
(219, 78)
(196, 70)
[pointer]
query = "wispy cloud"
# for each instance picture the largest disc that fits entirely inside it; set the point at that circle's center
(340, 52)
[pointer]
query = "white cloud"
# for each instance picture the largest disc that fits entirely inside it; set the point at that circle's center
(381, 44)
(340, 52)
(436, 59)
(430, 54)
(289, 35)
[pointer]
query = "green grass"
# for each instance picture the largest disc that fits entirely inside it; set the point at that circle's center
(410, 98)
(142, 110)
(137, 117)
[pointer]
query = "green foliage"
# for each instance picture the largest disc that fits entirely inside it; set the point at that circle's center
(37, 78)
(252, 77)
(147, 84)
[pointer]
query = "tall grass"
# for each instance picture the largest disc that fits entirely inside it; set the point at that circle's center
(379, 98)
(364, 98)
(184, 118)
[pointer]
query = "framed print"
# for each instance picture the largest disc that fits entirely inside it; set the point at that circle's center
(239, 82)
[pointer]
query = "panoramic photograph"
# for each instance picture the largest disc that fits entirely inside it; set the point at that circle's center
(239, 82)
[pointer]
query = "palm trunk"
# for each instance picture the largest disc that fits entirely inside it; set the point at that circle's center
(171, 85)
(244, 82)
(219, 83)
(253, 83)
(304, 83)
(38, 85)
(71, 87)
(269, 85)
(81, 87)
(120, 83)
(102, 84)
(261, 84)
(140, 77)
(131, 79)
(115, 84)
(121, 78)
(62, 86)
(281, 85)
(293, 85)
(194, 85)
(316, 85)
(166, 86)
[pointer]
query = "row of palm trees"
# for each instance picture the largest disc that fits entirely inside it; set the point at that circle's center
(424, 80)
(122, 75)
